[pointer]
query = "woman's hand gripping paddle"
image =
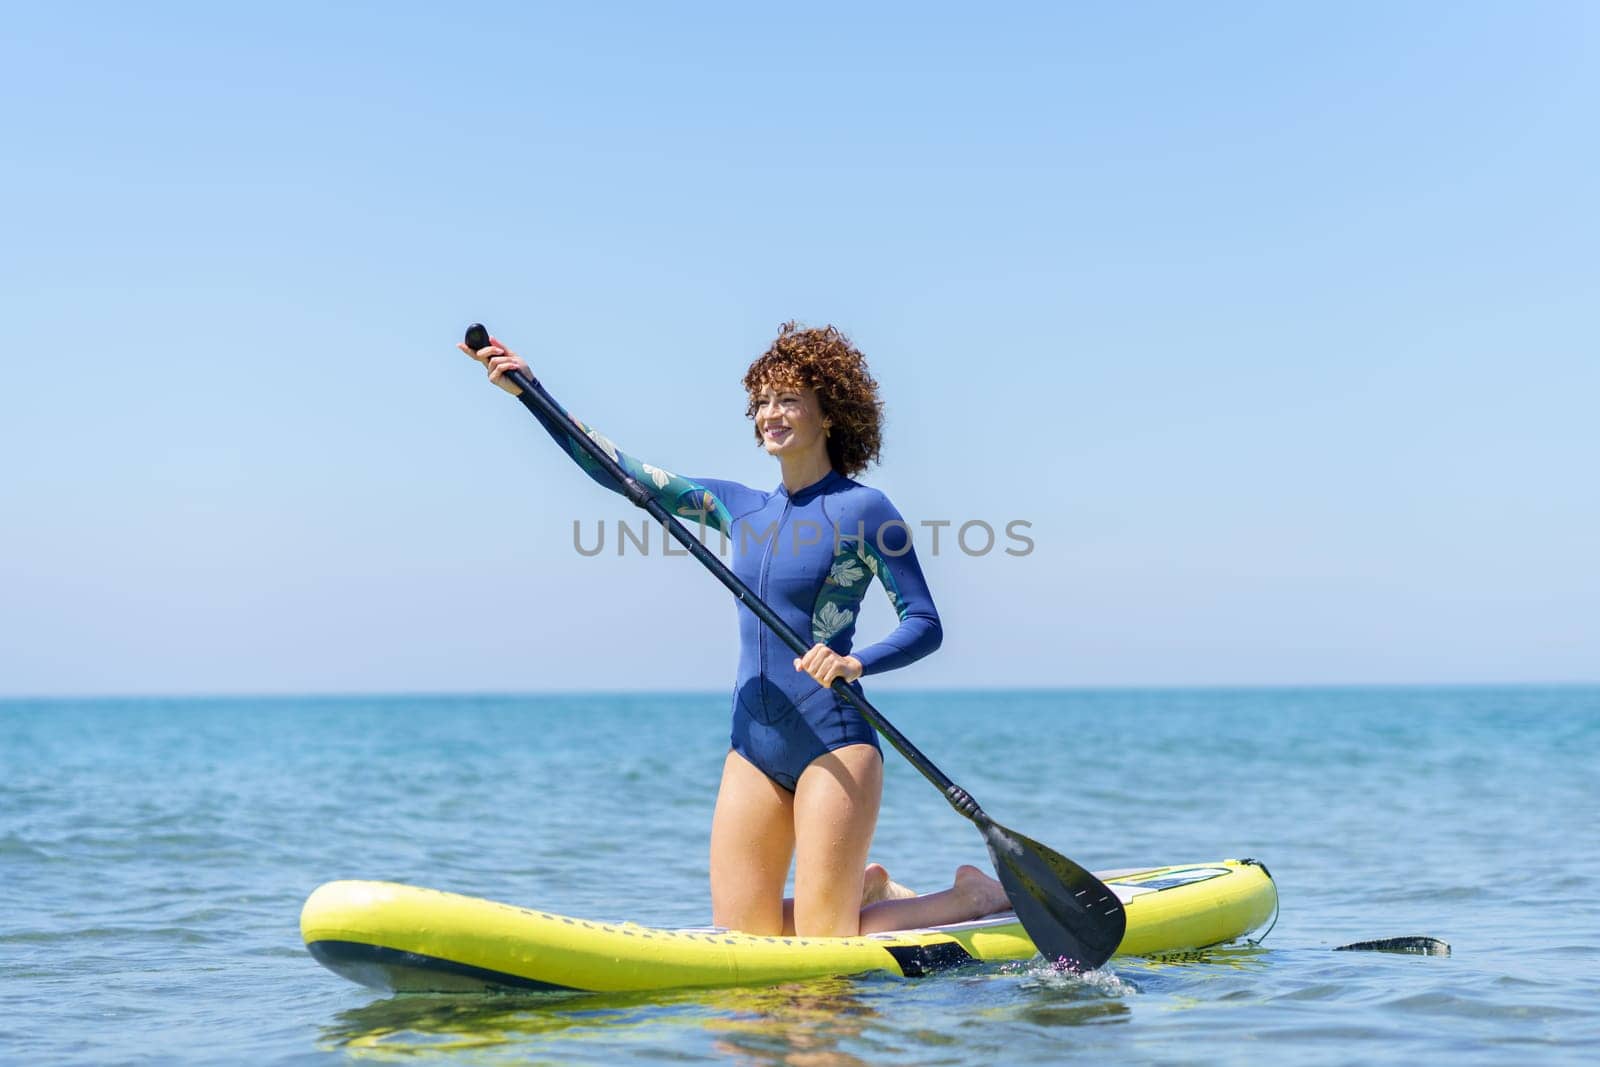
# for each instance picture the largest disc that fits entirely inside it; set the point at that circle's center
(1072, 917)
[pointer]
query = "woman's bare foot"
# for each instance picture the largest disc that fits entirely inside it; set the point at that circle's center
(876, 885)
(983, 894)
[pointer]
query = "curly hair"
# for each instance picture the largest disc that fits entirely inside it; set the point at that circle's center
(824, 359)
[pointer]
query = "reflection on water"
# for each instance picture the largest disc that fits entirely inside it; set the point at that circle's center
(800, 1023)
(823, 1023)
(1194, 980)
(1239, 957)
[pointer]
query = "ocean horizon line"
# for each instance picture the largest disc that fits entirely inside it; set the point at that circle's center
(567, 693)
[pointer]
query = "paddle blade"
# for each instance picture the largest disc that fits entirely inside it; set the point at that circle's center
(1072, 917)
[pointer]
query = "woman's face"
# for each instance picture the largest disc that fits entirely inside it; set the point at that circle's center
(789, 418)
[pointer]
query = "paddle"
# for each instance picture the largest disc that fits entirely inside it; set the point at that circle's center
(1072, 917)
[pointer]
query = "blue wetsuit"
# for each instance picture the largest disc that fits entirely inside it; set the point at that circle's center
(810, 556)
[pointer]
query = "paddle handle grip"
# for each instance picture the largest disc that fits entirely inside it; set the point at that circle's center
(477, 339)
(536, 400)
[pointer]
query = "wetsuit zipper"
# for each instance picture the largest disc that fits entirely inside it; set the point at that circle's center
(761, 587)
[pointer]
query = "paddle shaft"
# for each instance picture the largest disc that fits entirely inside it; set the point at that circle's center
(535, 399)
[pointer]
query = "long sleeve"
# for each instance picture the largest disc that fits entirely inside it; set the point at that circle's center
(687, 497)
(888, 552)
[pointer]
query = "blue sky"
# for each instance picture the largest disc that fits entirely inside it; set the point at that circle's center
(1275, 321)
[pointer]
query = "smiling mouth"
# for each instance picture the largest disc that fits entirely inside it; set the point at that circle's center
(777, 433)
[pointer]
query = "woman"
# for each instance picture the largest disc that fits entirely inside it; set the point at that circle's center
(804, 775)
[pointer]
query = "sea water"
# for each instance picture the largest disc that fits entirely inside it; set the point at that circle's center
(154, 855)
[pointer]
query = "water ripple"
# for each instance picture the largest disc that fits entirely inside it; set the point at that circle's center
(155, 855)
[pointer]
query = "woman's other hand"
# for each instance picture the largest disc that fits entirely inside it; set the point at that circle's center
(824, 664)
(499, 361)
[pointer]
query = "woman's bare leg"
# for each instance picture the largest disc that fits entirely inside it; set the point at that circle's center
(826, 825)
(835, 812)
(972, 896)
(752, 841)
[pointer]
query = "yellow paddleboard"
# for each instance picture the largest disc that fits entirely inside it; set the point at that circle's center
(407, 939)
